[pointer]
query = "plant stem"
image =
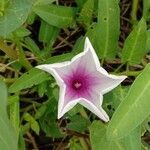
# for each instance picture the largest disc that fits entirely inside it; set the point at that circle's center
(8, 50)
(120, 66)
(83, 143)
(131, 73)
(30, 107)
(134, 11)
(32, 140)
(83, 113)
(8, 80)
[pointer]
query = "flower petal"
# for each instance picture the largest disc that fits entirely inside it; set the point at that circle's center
(96, 109)
(109, 82)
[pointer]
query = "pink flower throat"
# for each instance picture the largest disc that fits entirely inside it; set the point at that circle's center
(77, 84)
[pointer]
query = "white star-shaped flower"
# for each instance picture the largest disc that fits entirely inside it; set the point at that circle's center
(82, 80)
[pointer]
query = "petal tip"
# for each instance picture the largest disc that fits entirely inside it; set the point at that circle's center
(123, 77)
(59, 115)
(107, 119)
(40, 67)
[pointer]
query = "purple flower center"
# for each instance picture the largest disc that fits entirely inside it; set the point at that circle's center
(77, 84)
(80, 83)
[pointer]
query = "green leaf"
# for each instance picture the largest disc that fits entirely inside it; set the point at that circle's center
(35, 127)
(42, 2)
(146, 125)
(100, 142)
(144, 148)
(42, 88)
(22, 32)
(8, 139)
(14, 113)
(74, 144)
(48, 33)
(86, 14)
(80, 3)
(33, 77)
(114, 98)
(134, 47)
(148, 41)
(21, 142)
(48, 120)
(146, 9)
(108, 27)
(3, 4)
(14, 16)
(134, 109)
(33, 123)
(31, 18)
(59, 16)
(32, 46)
(76, 126)
(40, 112)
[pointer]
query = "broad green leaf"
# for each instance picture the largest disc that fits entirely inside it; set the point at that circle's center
(8, 139)
(14, 113)
(100, 142)
(21, 142)
(14, 16)
(134, 109)
(86, 14)
(42, 2)
(48, 33)
(33, 77)
(135, 44)
(59, 16)
(148, 41)
(108, 27)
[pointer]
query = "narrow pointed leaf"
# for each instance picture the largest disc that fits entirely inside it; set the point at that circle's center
(48, 33)
(134, 109)
(108, 28)
(146, 8)
(8, 140)
(14, 113)
(134, 47)
(33, 77)
(86, 14)
(100, 142)
(59, 16)
(148, 41)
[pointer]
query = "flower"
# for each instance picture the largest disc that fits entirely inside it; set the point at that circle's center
(82, 80)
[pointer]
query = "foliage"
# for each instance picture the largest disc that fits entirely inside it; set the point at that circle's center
(34, 32)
